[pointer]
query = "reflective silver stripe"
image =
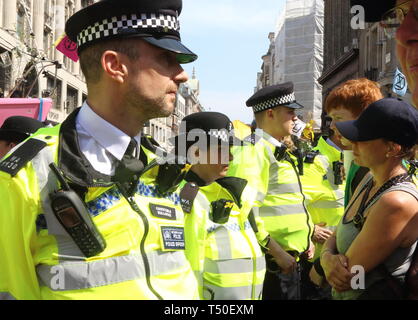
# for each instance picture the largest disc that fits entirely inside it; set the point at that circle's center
(162, 262)
(284, 188)
(83, 275)
(244, 265)
(6, 296)
(47, 183)
(212, 292)
(282, 210)
(223, 243)
(335, 204)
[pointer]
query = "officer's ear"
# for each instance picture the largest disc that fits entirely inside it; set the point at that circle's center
(114, 66)
(270, 113)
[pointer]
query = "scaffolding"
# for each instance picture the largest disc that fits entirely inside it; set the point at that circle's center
(299, 53)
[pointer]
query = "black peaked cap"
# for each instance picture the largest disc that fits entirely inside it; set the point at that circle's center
(206, 121)
(18, 128)
(273, 96)
(374, 9)
(388, 118)
(213, 124)
(156, 21)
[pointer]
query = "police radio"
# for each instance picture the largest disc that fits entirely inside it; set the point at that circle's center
(73, 215)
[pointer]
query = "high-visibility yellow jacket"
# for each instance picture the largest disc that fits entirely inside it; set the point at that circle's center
(226, 257)
(325, 199)
(143, 259)
(279, 198)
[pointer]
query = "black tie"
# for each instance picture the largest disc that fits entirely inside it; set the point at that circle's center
(129, 168)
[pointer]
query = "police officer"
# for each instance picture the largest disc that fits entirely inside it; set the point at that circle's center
(323, 184)
(14, 130)
(220, 240)
(109, 233)
(272, 171)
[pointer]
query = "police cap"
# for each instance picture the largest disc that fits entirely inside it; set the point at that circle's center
(274, 96)
(154, 21)
(18, 128)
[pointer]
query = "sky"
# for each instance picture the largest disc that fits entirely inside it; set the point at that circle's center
(230, 37)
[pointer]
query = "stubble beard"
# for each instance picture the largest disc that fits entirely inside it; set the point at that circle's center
(149, 108)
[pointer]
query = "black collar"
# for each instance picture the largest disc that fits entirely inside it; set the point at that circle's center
(73, 163)
(193, 177)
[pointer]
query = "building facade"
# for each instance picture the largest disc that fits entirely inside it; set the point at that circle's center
(30, 66)
(341, 48)
(295, 54)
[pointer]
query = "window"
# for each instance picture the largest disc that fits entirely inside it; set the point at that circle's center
(54, 87)
(72, 99)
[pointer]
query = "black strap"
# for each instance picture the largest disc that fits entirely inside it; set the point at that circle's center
(359, 218)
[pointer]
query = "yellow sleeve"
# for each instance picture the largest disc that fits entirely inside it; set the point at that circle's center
(252, 164)
(18, 211)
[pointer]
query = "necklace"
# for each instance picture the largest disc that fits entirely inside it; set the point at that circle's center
(359, 218)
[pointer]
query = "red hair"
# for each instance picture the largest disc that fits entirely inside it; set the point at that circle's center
(354, 95)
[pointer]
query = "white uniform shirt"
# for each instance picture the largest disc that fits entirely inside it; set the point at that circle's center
(101, 142)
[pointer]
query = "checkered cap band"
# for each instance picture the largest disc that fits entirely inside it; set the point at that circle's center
(274, 102)
(221, 134)
(112, 26)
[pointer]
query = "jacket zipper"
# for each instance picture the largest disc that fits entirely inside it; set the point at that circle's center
(303, 203)
(145, 221)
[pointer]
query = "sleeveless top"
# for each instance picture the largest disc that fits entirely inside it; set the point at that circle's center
(397, 263)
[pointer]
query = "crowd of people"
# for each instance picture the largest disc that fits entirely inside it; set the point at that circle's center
(94, 209)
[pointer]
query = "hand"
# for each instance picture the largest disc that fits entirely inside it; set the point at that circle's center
(321, 234)
(286, 262)
(336, 271)
(311, 251)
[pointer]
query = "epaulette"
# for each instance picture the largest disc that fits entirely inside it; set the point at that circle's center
(187, 195)
(21, 156)
(235, 186)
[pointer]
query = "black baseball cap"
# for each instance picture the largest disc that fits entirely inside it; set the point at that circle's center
(374, 9)
(390, 119)
(18, 128)
(156, 22)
